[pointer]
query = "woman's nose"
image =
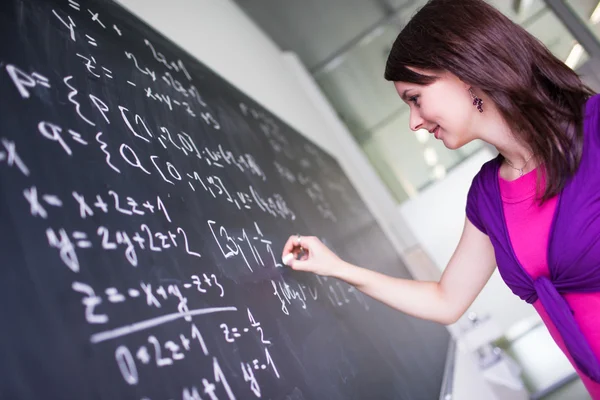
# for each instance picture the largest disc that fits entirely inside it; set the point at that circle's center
(416, 122)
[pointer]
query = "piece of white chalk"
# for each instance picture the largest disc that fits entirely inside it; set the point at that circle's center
(288, 258)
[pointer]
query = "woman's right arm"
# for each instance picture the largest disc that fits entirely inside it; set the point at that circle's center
(469, 269)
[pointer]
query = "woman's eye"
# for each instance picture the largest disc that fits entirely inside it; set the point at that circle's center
(414, 100)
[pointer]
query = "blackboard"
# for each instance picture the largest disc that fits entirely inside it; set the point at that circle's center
(144, 204)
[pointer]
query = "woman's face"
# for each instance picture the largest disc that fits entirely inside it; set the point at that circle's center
(444, 108)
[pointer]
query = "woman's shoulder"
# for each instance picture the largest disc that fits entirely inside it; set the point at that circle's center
(481, 193)
(483, 184)
(487, 174)
(593, 100)
(592, 111)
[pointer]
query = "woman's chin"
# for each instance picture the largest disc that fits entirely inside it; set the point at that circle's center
(451, 144)
(448, 144)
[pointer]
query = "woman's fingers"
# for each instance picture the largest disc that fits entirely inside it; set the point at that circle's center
(289, 246)
(294, 248)
(290, 249)
(287, 259)
(300, 265)
(309, 254)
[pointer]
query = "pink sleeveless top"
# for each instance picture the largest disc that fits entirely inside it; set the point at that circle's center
(529, 228)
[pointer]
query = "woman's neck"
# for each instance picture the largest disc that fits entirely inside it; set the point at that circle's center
(518, 156)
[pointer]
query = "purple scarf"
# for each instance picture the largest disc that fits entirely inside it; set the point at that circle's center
(573, 245)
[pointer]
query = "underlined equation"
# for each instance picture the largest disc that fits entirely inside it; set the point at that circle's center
(99, 303)
(158, 351)
(162, 351)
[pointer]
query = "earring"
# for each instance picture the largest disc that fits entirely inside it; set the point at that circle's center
(476, 101)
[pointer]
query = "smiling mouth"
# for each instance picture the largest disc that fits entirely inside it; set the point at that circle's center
(436, 132)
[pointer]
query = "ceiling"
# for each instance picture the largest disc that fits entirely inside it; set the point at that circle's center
(317, 29)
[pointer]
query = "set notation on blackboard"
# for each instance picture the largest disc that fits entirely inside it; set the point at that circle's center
(133, 216)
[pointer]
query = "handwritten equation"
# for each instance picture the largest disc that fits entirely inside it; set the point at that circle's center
(139, 207)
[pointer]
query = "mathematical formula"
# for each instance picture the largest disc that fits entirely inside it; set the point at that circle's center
(179, 170)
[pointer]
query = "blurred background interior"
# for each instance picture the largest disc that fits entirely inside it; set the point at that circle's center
(344, 45)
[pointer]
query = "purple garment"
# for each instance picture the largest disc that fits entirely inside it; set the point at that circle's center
(573, 244)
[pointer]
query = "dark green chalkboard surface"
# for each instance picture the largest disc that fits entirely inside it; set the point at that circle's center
(144, 202)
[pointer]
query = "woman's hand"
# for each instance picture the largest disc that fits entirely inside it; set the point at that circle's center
(315, 256)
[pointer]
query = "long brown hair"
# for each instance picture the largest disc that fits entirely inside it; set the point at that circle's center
(541, 98)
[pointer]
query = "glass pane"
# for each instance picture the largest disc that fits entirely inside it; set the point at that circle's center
(541, 22)
(415, 158)
(355, 85)
(589, 12)
(388, 176)
(520, 11)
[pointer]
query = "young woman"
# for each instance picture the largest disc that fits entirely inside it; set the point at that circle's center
(467, 72)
